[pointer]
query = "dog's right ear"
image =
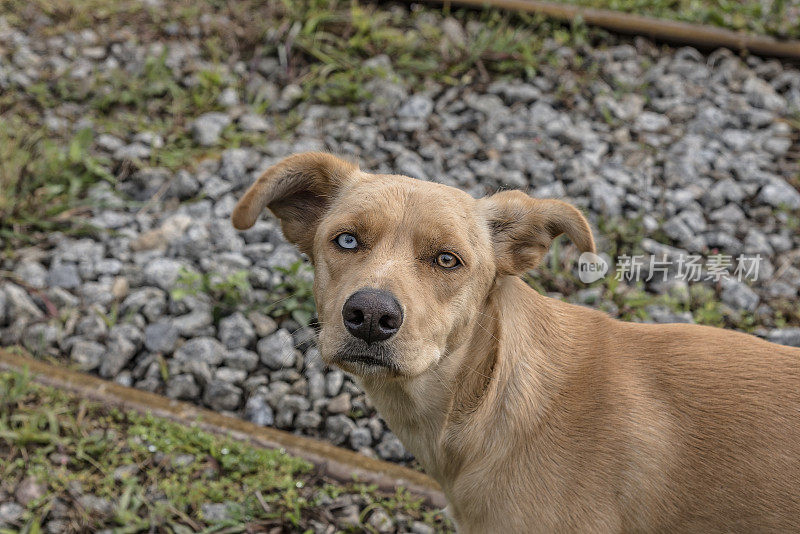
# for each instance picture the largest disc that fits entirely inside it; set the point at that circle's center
(297, 190)
(523, 228)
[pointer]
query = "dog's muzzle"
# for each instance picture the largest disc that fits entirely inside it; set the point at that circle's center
(372, 315)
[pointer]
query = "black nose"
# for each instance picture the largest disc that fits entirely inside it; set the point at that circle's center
(372, 315)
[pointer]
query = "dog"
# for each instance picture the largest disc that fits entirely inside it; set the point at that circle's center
(534, 415)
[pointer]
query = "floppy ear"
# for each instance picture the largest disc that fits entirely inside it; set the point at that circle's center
(523, 228)
(297, 190)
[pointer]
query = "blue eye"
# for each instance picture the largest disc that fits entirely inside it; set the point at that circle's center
(347, 241)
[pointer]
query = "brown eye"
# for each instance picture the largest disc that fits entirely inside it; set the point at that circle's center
(447, 260)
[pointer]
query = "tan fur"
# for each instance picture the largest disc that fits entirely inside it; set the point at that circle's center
(533, 414)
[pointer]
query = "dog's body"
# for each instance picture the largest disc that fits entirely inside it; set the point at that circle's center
(588, 424)
(533, 414)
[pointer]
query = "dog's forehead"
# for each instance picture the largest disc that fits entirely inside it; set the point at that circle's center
(388, 193)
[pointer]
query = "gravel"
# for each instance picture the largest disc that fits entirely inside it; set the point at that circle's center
(695, 147)
(277, 350)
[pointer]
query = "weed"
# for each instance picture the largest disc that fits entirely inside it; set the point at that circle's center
(13, 388)
(226, 292)
(155, 474)
(41, 181)
(294, 297)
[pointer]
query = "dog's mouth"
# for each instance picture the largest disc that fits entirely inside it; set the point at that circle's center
(362, 359)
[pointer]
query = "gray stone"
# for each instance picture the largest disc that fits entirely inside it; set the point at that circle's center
(233, 166)
(228, 98)
(284, 419)
(316, 385)
(606, 199)
(206, 349)
(418, 527)
(150, 301)
(229, 374)
(183, 186)
(738, 295)
(283, 257)
(416, 107)
(207, 128)
(57, 526)
(32, 273)
(134, 151)
(277, 390)
(677, 229)
(64, 275)
(109, 143)
(87, 354)
(780, 194)
(390, 448)
(96, 505)
(786, 336)
(277, 350)
(236, 332)
(515, 92)
(257, 410)
(10, 513)
(241, 359)
(62, 299)
(250, 122)
(92, 327)
(183, 387)
(661, 314)
(29, 490)
(163, 272)
(120, 351)
(333, 382)
(108, 267)
(195, 323)
(338, 428)
(221, 395)
(360, 438)
(651, 122)
(124, 378)
(39, 337)
(161, 337)
(757, 243)
(293, 403)
(308, 420)
(340, 404)
(125, 472)
(215, 512)
(349, 517)
(380, 521)
(199, 369)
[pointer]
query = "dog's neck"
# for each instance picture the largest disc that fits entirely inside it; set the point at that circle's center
(427, 411)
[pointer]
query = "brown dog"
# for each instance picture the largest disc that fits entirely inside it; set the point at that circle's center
(533, 414)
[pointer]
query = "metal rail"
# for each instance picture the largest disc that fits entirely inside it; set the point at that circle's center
(340, 464)
(658, 29)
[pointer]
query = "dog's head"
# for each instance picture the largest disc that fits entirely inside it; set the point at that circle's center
(403, 267)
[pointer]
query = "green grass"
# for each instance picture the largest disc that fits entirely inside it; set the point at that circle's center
(156, 474)
(293, 297)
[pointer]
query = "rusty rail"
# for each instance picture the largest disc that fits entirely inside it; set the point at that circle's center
(658, 29)
(338, 463)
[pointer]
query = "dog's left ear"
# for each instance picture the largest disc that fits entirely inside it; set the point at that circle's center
(298, 190)
(523, 228)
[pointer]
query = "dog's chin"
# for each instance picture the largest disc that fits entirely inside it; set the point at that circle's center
(379, 361)
(361, 359)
